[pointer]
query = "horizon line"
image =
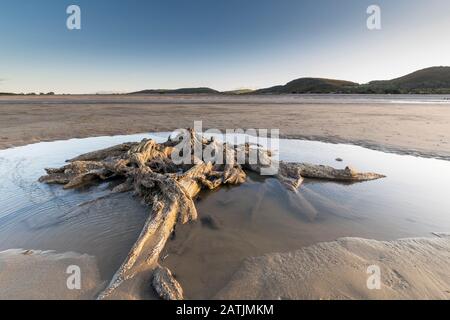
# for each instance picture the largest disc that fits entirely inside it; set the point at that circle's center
(118, 92)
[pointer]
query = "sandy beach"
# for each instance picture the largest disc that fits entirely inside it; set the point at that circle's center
(413, 268)
(219, 151)
(36, 275)
(402, 127)
(409, 269)
(313, 269)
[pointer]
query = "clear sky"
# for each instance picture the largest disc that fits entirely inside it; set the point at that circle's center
(128, 45)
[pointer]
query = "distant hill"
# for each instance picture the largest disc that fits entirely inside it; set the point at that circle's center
(434, 80)
(178, 91)
(431, 80)
(311, 85)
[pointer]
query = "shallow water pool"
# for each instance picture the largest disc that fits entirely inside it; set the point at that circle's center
(235, 222)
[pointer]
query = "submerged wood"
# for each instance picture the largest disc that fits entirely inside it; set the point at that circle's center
(148, 170)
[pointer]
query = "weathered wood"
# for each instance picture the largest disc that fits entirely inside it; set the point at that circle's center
(102, 154)
(348, 174)
(290, 176)
(147, 169)
(165, 284)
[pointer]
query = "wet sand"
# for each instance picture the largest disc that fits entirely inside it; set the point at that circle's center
(36, 275)
(293, 265)
(402, 127)
(260, 217)
(415, 268)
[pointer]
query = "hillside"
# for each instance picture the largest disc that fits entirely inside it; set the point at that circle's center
(431, 80)
(434, 80)
(311, 85)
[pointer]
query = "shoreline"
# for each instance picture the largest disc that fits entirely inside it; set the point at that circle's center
(373, 146)
(403, 127)
(332, 140)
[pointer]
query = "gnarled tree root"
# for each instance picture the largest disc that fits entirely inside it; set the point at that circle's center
(165, 284)
(148, 170)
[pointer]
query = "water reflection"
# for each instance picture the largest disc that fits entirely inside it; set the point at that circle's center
(236, 222)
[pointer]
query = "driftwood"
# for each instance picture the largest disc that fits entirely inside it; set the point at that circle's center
(148, 170)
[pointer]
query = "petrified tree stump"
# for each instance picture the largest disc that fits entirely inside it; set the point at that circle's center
(149, 171)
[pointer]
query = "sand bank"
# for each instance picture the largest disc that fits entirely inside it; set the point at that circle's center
(406, 127)
(410, 269)
(32, 274)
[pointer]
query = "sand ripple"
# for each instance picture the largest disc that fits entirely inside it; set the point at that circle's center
(416, 268)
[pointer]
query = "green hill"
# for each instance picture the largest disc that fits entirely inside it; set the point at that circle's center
(434, 80)
(431, 80)
(311, 85)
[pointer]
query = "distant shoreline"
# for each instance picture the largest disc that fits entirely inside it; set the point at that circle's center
(433, 80)
(221, 94)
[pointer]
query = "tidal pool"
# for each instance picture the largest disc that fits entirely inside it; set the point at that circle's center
(236, 222)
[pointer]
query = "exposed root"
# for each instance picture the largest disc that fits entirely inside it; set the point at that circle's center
(290, 176)
(149, 170)
(349, 174)
(165, 284)
(105, 153)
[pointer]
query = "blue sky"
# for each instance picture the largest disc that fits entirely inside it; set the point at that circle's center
(128, 45)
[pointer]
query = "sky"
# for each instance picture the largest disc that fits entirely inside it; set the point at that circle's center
(130, 45)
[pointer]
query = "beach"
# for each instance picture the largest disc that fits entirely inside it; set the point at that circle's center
(384, 123)
(410, 269)
(253, 241)
(37, 275)
(211, 150)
